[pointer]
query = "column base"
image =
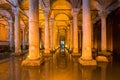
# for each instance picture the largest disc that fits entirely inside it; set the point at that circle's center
(76, 54)
(16, 54)
(47, 55)
(11, 49)
(87, 62)
(28, 62)
(75, 50)
(47, 51)
(102, 59)
(23, 47)
(104, 53)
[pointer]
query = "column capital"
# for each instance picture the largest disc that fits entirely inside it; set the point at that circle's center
(10, 21)
(15, 10)
(23, 27)
(103, 13)
(46, 12)
(75, 11)
(51, 19)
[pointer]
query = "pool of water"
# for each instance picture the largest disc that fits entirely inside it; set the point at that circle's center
(58, 67)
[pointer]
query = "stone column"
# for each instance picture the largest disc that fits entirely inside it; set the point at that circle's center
(26, 38)
(34, 58)
(75, 31)
(51, 33)
(80, 39)
(11, 35)
(103, 15)
(71, 36)
(54, 36)
(68, 38)
(86, 58)
(17, 32)
(47, 38)
(103, 31)
(23, 37)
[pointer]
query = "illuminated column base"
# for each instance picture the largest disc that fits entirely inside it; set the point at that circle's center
(91, 62)
(75, 53)
(29, 62)
(102, 59)
(47, 53)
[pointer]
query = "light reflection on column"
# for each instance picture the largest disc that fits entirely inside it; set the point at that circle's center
(11, 69)
(17, 68)
(75, 70)
(51, 69)
(34, 73)
(47, 68)
(103, 66)
(87, 72)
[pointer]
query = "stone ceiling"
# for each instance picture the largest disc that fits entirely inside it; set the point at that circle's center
(61, 10)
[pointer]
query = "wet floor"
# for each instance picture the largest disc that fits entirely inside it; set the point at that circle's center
(61, 66)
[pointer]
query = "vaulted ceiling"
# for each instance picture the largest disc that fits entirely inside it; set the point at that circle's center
(61, 10)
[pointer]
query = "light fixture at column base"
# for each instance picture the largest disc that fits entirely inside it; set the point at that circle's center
(28, 62)
(102, 59)
(87, 62)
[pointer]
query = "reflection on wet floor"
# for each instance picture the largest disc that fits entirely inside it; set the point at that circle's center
(61, 66)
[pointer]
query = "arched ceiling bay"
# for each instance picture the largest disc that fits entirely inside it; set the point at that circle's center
(61, 4)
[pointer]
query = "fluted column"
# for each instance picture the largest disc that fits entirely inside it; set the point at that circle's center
(47, 38)
(34, 58)
(75, 31)
(11, 35)
(17, 32)
(86, 58)
(51, 33)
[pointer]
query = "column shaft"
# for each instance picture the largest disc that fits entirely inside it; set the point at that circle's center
(86, 45)
(75, 30)
(68, 38)
(23, 38)
(47, 38)
(80, 39)
(51, 34)
(71, 36)
(54, 36)
(103, 33)
(11, 35)
(17, 32)
(34, 30)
